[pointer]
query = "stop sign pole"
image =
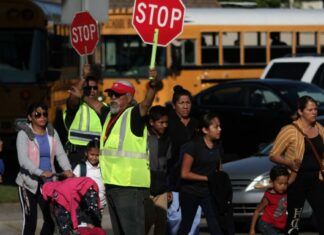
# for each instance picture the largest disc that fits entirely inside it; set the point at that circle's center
(154, 48)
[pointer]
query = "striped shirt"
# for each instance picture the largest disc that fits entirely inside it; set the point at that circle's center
(290, 143)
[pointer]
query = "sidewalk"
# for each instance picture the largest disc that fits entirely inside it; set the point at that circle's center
(11, 220)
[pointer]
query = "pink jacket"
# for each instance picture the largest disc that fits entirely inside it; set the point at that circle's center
(68, 193)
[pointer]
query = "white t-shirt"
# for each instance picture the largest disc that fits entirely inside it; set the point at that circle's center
(94, 173)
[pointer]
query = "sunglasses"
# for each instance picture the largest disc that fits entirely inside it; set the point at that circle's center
(91, 87)
(113, 93)
(38, 115)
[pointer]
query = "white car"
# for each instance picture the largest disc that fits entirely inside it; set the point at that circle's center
(309, 69)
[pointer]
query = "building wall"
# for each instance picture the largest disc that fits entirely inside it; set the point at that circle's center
(187, 3)
(312, 4)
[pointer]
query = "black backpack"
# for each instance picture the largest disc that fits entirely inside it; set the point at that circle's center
(83, 169)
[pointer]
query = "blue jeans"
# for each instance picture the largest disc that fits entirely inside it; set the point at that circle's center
(267, 229)
(2, 167)
(126, 208)
(174, 217)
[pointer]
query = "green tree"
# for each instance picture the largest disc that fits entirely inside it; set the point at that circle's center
(269, 3)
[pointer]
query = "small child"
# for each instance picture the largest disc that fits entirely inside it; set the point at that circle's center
(91, 169)
(273, 204)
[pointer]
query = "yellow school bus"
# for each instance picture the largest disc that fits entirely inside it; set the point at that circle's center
(23, 66)
(216, 45)
(31, 61)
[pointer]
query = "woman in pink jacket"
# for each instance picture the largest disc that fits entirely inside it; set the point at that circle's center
(37, 146)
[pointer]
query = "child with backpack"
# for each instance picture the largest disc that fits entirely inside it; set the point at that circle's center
(90, 168)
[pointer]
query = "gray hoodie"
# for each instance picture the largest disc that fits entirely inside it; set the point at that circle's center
(29, 158)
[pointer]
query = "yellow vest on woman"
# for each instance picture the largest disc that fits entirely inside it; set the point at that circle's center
(85, 127)
(123, 156)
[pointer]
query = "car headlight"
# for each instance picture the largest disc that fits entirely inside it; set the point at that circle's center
(260, 182)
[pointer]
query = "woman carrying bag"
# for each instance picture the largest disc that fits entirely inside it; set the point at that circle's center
(299, 146)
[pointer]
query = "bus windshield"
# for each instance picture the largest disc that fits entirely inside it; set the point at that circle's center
(128, 56)
(22, 55)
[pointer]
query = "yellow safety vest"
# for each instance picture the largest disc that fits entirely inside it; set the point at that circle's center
(85, 127)
(124, 157)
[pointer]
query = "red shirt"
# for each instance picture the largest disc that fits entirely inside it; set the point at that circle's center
(275, 212)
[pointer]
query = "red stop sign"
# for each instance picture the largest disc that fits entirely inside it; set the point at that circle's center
(84, 33)
(165, 15)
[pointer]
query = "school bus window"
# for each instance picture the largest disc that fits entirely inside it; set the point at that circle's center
(22, 55)
(209, 48)
(281, 43)
(306, 43)
(321, 38)
(176, 56)
(231, 48)
(209, 40)
(189, 52)
(128, 56)
(110, 53)
(62, 56)
(255, 47)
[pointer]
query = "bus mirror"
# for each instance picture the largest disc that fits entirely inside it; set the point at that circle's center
(52, 75)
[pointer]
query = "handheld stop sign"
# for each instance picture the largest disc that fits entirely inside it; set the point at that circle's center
(84, 33)
(158, 22)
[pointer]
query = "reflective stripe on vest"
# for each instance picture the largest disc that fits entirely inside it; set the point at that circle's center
(123, 157)
(121, 153)
(85, 127)
(83, 135)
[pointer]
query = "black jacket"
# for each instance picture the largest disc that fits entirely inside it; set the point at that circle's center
(220, 188)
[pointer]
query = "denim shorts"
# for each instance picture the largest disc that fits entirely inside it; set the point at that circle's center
(267, 229)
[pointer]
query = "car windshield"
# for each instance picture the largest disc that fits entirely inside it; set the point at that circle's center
(292, 92)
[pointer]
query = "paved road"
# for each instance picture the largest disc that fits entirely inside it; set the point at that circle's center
(11, 221)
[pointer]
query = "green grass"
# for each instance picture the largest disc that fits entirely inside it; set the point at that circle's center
(8, 193)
